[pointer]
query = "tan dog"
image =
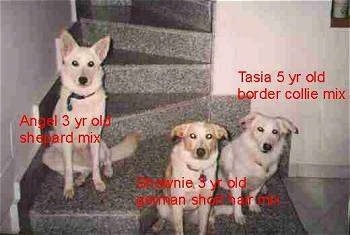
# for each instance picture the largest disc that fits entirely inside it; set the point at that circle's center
(254, 154)
(193, 157)
(82, 97)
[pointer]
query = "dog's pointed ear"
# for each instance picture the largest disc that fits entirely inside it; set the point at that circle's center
(220, 132)
(287, 126)
(101, 47)
(67, 43)
(179, 130)
(247, 120)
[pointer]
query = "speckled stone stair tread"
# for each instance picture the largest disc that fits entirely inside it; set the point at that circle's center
(119, 105)
(275, 219)
(188, 15)
(125, 57)
(175, 43)
(116, 201)
(158, 121)
(169, 79)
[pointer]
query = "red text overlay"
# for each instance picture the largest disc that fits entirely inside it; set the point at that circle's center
(74, 125)
(299, 86)
(143, 182)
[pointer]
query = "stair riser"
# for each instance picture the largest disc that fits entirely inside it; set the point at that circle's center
(150, 40)
(156, 122)
(158, 79)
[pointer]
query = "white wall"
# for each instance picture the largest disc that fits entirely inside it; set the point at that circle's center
(294, 37)
(28, 67)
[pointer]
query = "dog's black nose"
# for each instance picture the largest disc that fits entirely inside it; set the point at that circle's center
(83, 80)
(200, 152)
(267, 147)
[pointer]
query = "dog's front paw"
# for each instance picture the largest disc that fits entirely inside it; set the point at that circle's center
(108, 171)
(68, 193)
(158, 226)
(240, 219)
(211, 228)
(100, 186)
(255, 208)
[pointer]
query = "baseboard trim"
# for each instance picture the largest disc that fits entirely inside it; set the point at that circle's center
(318, 170)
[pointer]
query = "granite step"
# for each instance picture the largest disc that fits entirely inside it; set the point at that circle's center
(172, 78)
(195, 15)
(108, 12)
(111, 212)
(181, 44)
(120, 105)
(125, 57)
(155, 121)
(115, 212)
(160, 113)
(179, 14)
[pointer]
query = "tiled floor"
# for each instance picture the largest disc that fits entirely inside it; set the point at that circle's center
(321, 204)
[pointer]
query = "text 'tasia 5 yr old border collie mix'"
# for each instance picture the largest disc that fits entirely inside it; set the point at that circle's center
(193, 158)
(254, 154)
(82, 96)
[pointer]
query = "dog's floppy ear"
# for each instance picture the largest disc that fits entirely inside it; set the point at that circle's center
(287, 126)
(179, 130)
(247, 120)
(67, 43)
(101, 47)
(220, 132)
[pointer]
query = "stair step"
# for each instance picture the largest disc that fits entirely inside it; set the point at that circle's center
(184, 14)
(157, 121)
(113, 13)
(158, 78)
(193, 46)
(120, 105)
(114, 211)
(179, 14)
(124, 57)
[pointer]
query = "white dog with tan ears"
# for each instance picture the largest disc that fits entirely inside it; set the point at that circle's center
(193, 158)
(83, 98)
(255, 155)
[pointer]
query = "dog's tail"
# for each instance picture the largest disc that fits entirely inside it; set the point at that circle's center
(125, 148)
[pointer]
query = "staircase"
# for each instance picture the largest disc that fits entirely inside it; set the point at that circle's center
(158, 75)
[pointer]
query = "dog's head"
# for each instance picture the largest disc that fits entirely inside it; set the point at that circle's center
(81, 71)
(200, 138)
(267, 131)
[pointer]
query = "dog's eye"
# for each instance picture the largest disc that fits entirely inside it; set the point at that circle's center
(75, 63)
(274, 131)
(209, 136)
(260, 129)
(193, 136)
(91, 64)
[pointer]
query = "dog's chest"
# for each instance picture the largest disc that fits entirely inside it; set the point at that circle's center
(257, 171)
(85, 116)
(201, 189)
